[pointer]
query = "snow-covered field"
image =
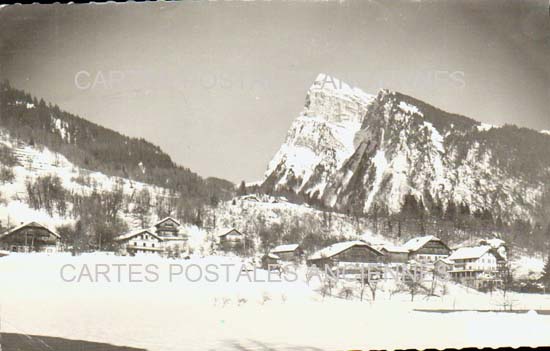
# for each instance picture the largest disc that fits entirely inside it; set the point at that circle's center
(226, 314)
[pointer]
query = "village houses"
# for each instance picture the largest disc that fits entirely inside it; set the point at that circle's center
(164, 236)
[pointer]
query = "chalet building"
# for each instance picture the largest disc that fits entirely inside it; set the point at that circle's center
(168, 229)
(288, 252)
(140, 241)
(345, 252)
(30, 237)
(394, 254)
(426, 249)
(475, 266)
(231, 238)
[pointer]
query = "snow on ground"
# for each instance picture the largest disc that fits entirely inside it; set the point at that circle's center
(483, 127)
(245, 210)
(37, 162)
(410, 109)
(526, 267)
(231, 315)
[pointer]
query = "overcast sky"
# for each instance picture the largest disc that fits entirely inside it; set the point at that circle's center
(217, 84)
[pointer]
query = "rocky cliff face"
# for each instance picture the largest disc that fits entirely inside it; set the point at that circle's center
(355, 151)
(321, 139)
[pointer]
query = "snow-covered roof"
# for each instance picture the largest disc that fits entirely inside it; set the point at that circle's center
(273, 256)
(394, 248)
(337, 248)
(166, 219)
(465, 253)
(133, 233)
(494, 242)
(446, 260)
(285, 248)
(28, 224)
(229, 231)
(416, 244)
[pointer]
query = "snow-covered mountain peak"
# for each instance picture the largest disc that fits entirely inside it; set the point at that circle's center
(358, 152)
(322, 136)
(335, 100)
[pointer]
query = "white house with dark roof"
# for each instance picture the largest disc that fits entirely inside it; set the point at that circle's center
(475, 266)
(474, 259)
(140, 241)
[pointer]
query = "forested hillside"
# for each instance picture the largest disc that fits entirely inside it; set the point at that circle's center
(93, 147)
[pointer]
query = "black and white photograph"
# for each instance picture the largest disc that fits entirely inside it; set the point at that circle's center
(275, 175)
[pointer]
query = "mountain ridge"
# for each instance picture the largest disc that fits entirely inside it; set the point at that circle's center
(406, 147)
(93, 146)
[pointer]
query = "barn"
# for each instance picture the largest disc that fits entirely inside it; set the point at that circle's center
(30, 237)
(345, 252)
